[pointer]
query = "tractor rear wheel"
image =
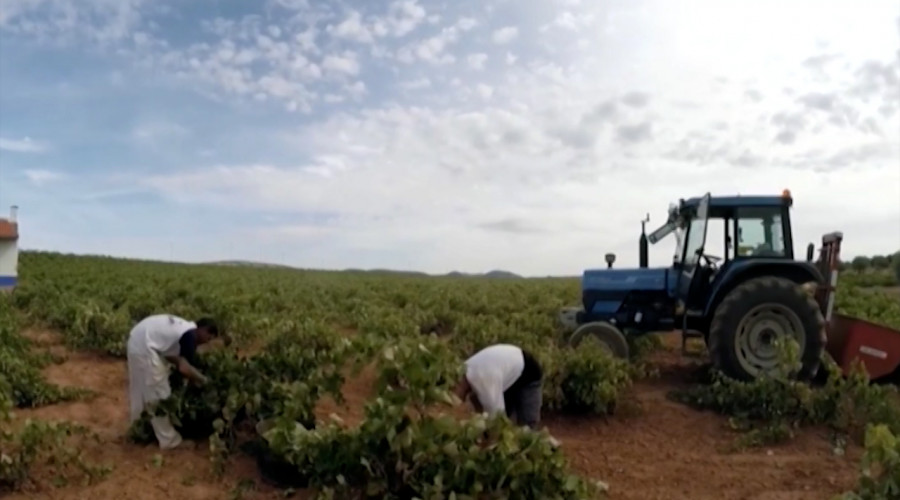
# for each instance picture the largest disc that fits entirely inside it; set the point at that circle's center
(611, 338)
(754, 314)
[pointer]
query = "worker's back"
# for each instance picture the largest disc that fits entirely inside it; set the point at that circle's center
(160, 332)
(502, 363)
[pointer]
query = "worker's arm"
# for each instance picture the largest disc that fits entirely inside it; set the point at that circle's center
(187, 369)
(187, 354)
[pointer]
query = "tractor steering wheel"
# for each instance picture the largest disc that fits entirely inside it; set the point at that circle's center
(711, 260)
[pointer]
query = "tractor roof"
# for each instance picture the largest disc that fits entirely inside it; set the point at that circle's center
(730, 202)
(719, 207)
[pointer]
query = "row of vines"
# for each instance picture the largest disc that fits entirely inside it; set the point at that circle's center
(295, 335)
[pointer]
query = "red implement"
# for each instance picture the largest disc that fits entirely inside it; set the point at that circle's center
(877, 346)
(849, 338)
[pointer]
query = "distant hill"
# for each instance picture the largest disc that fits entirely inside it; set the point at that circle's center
(502, 275)
(496, 274)
(246, 263)
(387, 271)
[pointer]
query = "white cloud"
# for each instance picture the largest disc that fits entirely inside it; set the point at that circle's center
(568, 20)
(346, 63)
(306, 40)
(41, 177)
(352, 28)
(505, 35)
(418, 83)
(467, 23)
(356, 90)
(545, 152)
(155, 132)
(434, 49)
(24, 145)
(404, 17)
(60, 21)
(476, 61)
(546, 168)
(291, 233)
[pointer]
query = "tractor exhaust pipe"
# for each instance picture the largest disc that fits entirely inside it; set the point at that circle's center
(643, 246)
(810, 252)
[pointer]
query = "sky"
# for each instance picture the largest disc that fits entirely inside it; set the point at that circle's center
(434, 135)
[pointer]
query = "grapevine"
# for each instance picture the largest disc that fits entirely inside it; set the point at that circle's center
(295, 334)
(24, 446)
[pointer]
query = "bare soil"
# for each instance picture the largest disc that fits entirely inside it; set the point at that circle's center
(663, 450)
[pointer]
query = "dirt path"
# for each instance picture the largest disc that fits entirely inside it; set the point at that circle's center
(139, 472)
(664, 451)
(670, 451)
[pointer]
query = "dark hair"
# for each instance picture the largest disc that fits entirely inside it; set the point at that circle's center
(210, 325)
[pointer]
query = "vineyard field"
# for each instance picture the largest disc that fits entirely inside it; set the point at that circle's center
(365, 362)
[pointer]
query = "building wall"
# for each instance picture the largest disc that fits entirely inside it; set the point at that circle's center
(9, 260)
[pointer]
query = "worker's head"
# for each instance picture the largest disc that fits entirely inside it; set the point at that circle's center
(463, 388)
(206, 330)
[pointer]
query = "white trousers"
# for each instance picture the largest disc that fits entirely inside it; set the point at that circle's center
(148, 383)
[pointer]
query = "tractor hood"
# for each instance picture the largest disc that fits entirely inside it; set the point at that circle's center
(623, 280)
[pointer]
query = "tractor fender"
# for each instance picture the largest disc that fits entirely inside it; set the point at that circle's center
(742, 270)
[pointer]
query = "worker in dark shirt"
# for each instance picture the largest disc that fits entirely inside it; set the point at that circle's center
(187, 344)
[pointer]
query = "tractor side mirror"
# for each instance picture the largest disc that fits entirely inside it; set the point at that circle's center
(610, 258)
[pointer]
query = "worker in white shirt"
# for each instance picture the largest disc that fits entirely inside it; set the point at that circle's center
(504, 378)
(152, 343)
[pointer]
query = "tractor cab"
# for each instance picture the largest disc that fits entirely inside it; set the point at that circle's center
(756, 230)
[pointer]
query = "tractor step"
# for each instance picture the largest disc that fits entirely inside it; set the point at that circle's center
(689, 334)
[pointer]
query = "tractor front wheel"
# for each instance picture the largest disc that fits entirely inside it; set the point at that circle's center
(756, 313)
(611, 338)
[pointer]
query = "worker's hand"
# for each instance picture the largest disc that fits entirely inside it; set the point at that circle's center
(198, 377)
(192, 373)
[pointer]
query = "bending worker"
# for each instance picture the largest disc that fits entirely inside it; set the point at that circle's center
(504, 378)
(153, 341)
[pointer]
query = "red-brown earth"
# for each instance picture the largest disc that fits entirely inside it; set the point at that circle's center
(663, 450)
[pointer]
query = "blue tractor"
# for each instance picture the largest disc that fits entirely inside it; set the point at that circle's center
(739, 302)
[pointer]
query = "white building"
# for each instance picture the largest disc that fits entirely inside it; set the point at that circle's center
(9, 250)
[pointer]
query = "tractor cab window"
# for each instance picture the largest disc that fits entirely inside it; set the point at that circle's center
(760, 232)
(696, 237)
